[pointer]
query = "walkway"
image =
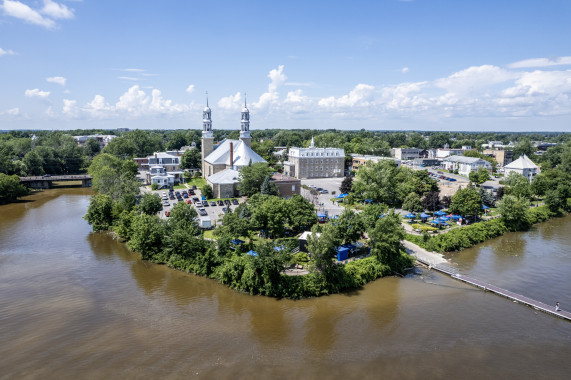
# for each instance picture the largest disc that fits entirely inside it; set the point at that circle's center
(430, 259)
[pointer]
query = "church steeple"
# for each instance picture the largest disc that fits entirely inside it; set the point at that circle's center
(245, 124)
(207, 121)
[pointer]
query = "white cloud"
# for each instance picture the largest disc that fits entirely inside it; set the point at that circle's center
(190, 89)
(59, 80)
(540, 62)
(231, 102)
(11, 112)
(475, 77)
(277, 78)
(23, 12)
(405, 70)
(6, 52)
(130, 78)
(57, 11)
(361, 95)
(37, 93)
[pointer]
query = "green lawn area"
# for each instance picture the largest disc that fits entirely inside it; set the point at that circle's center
(209, 234)
(198, 182)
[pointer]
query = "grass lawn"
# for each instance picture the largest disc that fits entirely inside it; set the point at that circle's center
(209, 234)
(198, 182)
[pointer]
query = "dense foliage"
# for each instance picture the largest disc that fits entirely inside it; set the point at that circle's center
(10, 188)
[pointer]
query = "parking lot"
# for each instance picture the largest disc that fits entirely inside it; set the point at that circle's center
(214, 213)
(323, 202)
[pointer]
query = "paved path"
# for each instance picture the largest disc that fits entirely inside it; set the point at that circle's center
(422, 255)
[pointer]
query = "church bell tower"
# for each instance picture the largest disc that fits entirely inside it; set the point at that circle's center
(207, 136)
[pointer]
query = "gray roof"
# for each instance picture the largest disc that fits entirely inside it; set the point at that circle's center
(463, 159)
(523, 162)
(226, 176)
(241, 157)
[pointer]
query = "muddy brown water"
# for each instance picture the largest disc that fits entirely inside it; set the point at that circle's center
(76, 304)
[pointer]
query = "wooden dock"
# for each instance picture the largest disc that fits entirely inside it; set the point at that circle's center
(452, 272)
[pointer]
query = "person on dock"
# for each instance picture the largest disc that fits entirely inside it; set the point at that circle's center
(557, 308)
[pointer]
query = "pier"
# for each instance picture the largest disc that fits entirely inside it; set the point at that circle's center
(450, 271)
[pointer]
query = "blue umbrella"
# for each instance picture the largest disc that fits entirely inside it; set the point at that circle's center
(341, 195)
(485, 207)
(440, 213)
(411, 215)
(424, 215)
(251, 253)
(435, 222)
(456, 217)
(444, 218)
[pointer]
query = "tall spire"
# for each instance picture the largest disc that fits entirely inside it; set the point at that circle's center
(245, 124)
(312, 145)
(207, 120)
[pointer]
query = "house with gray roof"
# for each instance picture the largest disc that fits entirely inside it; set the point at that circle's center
(464, 164)
(524, 166)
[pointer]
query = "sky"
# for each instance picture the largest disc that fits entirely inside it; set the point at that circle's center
(377, 65)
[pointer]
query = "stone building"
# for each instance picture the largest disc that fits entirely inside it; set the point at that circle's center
(224, 183)
(502, 157)
(315, 162)
(230, 154)
(288, 186)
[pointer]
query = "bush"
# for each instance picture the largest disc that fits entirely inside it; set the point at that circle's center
(154, 187)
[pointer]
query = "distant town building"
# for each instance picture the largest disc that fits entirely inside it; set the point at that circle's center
(103, 140)
(405, 154)
(315, 162)
(464, 164)
(425, 162)
(447, 152)
(502, 157)
(524, 166)
(362, 159)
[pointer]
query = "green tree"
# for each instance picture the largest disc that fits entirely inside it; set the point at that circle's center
(323, 248)
(91, 147)
(10, 188)
(553, 201)
(116, 178)
(191, 159)
(483, 175)
(148, 235)
(412, 203)
(487, 197)
(518, 185)
(207, 191)
(349, 227)
(176, 141)
(385, 241)
(33, 163)
(466, 202)
(269, 214)
(150, 204)
(377, 182)
(252, 177)
(183, 216)
(269, 187)
(371, 213)
(514, 212)
(99, 213)
(301, 213)
(346, 185)
(431, 201)
(524, 146)
(474, 177)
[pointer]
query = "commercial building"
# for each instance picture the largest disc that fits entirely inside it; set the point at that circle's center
(315, 162)
(358, 160)
(405, 154)
(425, 162)
(288, 186)
(502, 157)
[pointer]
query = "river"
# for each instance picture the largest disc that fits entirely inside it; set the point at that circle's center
(78, 304)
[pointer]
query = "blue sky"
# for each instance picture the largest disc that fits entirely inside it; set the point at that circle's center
(385, 64)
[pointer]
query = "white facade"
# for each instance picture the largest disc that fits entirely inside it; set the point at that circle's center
(442, 153)
(524, 166)
(464, 164)
(406, 153)
(315, 162)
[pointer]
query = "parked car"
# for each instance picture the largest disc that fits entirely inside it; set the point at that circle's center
(195, 199)
(324, 191)
(220, 203)
(226, 202)
(202, 212)
(204, 203)
(235, 202)
(212, 203)
(190, 192)
(166, 203)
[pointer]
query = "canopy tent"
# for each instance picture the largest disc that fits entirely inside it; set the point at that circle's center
(279, 248)
(424, 215)
(439, 222)
(321, 215)
(369, 200)
(439, 213)
(251, 253)
(444, 218)
(456, 217)
(485, 207)
(343, 195)
(410, 215)
(237, 241)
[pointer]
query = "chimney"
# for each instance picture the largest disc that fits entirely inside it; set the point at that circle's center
(231, 155)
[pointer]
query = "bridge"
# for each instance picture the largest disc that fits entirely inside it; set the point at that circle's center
(540, 306)
(46, 181)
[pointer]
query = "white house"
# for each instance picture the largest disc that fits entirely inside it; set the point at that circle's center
(524, 166)
(464, 164)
